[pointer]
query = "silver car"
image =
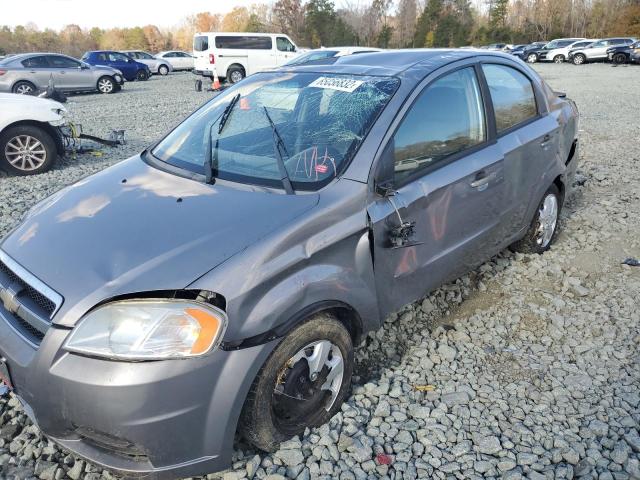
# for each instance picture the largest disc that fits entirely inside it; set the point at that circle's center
(179, 60)
(219, 281)
(27, 73)
(156, 65)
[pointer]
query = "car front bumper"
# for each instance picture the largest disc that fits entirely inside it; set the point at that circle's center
(159, 419)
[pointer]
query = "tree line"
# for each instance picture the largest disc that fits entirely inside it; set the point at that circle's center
(381, 23)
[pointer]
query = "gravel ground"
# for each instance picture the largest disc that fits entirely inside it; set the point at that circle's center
(533, 362)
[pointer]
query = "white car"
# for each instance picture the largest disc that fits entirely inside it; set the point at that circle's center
(233, 56)
(30, 141)
(559, 55)
(323, 54)
(178, 60)
(156, 65)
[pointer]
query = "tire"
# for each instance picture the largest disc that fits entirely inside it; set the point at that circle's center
(579, 59)
(106, 85)
(24, 88)
(142, 76)
(619, 58)
(163, 70)
(269, 417)
(539, 239)
(532, 58)
(235, 74)
(558, 59)
(37, 144)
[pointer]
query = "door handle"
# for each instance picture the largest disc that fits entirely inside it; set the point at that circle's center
(482, 179)
(545, 139)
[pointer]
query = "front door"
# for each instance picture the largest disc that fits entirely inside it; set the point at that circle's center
(68, 73)
(449, 186)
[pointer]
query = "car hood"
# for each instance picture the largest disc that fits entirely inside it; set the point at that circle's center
(133, 228)
(9, 100)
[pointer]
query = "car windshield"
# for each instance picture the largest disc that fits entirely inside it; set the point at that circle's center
(311, 57)
(321, 118)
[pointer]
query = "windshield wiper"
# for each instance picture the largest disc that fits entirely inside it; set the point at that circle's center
(211, 160)
(277, 144)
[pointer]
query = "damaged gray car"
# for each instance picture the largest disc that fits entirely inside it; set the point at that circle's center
(216, 284)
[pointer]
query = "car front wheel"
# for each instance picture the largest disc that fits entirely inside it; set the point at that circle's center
(544, 228)
(579, 59)
(558, 59)
(26, 150)
(106, 85)
(141, 76)
(532, 58)
(302, 384)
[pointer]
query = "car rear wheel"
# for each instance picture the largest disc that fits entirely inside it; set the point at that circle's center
(24, 88)
(620, 58)
(27, 150)
(544, 228)
(558, 59)
(579, 59)
(302, 384)
(163, 70)
(141, 76)
(235, 74)
(532, 58)
(106, 85)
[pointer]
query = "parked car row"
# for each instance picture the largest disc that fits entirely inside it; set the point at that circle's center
(579, 50)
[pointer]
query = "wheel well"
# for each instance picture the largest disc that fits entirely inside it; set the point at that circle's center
(560, 184)
(350, 319)
(23, 81)
(236, 65)
(55, 134)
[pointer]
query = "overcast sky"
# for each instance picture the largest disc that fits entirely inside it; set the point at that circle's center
(112, 13)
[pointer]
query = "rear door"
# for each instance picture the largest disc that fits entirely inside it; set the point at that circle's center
(261, 52)
(528, 138)
(124, 63)
(598, 50)
(449, 187)
(37, 70)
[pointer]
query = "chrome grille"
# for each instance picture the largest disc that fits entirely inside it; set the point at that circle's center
(26, 303)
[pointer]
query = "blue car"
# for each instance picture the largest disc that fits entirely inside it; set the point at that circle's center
(131, 70)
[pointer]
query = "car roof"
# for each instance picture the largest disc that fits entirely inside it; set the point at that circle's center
(395, 62)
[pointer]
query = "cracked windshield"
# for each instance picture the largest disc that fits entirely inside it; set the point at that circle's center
(319, 121)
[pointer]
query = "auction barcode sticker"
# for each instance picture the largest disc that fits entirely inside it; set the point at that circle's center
(342, 84)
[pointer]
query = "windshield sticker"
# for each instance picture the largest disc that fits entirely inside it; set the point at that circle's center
(342, 84)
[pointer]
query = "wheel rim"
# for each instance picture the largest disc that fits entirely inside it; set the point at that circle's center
(309, 382)
(578, 59)
(163, 70)
(559, 59)
(105, 85)
(142, 75)
(547, 220)
(24, 89)
(532, 58)
(236, 76)
(620, 59)
(25, 153)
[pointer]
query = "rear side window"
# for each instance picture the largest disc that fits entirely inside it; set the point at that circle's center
(512, 94)
(201, 43)
(36, 62)
(244, 42)
(447, 118)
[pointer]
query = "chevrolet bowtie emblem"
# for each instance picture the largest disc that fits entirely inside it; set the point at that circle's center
(9, 300)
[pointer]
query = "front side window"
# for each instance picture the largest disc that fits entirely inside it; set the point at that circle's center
(321, 118)
(36, 62)
(284, 45)
(63, 62)
(118, 57)
(201, 43)
(512, 94)
(447, 118)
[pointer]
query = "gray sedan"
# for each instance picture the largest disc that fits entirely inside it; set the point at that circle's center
(27, 73)
(219, 281)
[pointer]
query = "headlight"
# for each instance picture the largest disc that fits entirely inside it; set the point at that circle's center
(149, 330)
(63, 117)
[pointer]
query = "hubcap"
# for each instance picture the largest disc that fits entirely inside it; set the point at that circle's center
(24, 89)
(547, 220)
(105, 86)
(578, 59)
(308, 382)
(559, 59)
(236, 76)
(532, 58)
(25, 153)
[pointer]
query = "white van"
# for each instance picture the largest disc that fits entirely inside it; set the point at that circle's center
(236, 55)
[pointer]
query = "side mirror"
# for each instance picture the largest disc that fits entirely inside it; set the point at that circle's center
(385, 171)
